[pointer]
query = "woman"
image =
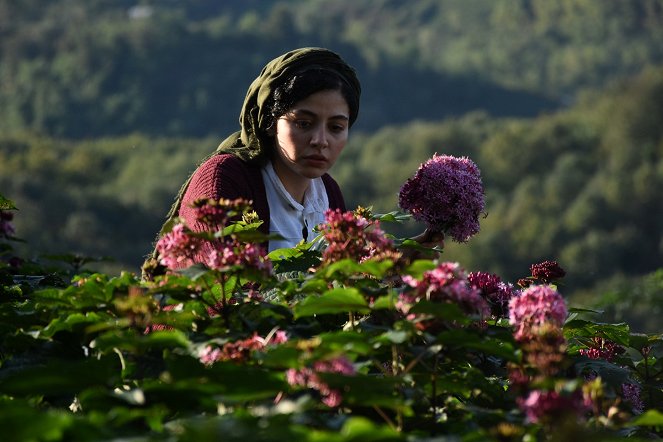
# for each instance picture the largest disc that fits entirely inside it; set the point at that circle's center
(294, 125)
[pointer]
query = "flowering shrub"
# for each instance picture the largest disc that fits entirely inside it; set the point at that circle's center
(446, 194)
(341, 350)
(353, 236)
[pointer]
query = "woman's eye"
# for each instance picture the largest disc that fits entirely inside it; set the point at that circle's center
(337, 128)
(302, 124)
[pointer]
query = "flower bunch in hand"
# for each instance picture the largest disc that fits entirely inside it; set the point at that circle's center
(446, 193)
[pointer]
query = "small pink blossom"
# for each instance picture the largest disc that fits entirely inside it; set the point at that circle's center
(446, 193)
(224, 255)
(547, 405)
(308, 377)
(601, 348)
(352, 236)
(536, 306)
(240, 351)
(177, 249)
(446, 283)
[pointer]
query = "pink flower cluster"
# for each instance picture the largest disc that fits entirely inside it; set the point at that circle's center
(540, 405)
(181, 247)
(240, 351)
(446, 283)
(6, 227)
(309, 378)
(353, 236)
(178, 248)
(537, 305)
(547, 271)
(497, 292)
(602, 349)
(447, 194)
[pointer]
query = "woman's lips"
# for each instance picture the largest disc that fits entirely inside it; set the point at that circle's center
(317, 160)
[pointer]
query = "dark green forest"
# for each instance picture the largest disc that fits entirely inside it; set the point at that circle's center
(107, 105)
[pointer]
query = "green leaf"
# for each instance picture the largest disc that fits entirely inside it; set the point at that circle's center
(360, 429)
(418, 267)
(21, 421)
(618, 333)
(394, 216)
(131, 341)
(393, 337)
(61, 377)
(345, 341)
(611, 373)
(75, 322)
(487, 345)
(348, 267)
(6, 204)
(442, 310)
(385, 302)
(651, 418)
(340, 300)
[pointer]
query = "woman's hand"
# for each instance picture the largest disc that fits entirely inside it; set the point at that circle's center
(429, 239)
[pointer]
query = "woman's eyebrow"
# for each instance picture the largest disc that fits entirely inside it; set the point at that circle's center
(310, 113)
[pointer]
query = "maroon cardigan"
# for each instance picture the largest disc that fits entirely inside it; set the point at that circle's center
(226, 176)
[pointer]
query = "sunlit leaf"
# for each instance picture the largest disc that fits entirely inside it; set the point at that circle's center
(650, 418)
(340, 300)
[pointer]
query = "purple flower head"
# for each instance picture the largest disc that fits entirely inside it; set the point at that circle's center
(445, 283)
(446, 194)
(497, 292)
(547, 271)
(353, 236)
(631, 395)
(536, 306)
(6, 227)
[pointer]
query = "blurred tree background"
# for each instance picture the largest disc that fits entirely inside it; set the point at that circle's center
(107, 105)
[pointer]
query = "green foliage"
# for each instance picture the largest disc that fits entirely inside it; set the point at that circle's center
(116, 357)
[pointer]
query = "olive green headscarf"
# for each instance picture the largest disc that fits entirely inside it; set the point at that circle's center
(248, 143)
(251, 142)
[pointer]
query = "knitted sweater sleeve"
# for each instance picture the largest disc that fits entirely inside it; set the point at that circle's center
(224, 176)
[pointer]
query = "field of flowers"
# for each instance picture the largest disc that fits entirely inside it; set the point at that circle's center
(356, 336)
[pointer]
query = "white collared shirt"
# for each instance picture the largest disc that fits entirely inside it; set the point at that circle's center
(287, 217)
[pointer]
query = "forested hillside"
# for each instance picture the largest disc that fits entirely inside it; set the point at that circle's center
(106, 106)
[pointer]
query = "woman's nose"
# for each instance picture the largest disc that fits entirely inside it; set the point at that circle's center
(319, 137)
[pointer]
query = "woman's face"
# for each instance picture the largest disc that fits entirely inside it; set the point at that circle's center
(310, 137)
